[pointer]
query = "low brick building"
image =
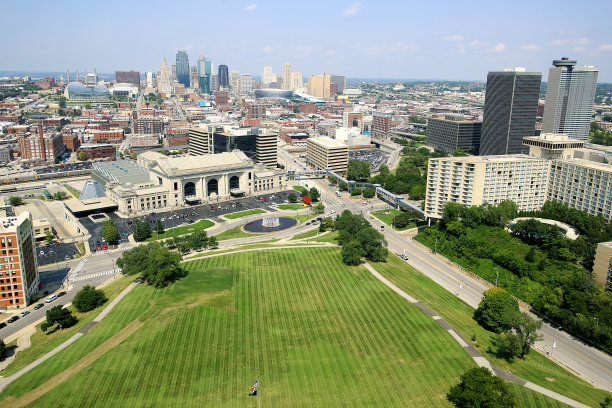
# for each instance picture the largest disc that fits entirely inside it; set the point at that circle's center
(98, 151)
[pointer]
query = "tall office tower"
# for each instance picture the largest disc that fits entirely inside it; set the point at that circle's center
(194, 78)
(298, 82)
(511, 105)
(569, 99)
(164, 85)
(287, 77)
(246, 83)
(223, 76)
(128, 77)
(268, 75)
(173, 76)
(340, 81)
(453, 132)
(318, 85)
(149, 84)
(182, 68)
(214, 83)
(234, 80)
(21, 279)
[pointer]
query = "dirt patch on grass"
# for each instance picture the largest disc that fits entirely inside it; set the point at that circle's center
(41, 390)
(550, 379)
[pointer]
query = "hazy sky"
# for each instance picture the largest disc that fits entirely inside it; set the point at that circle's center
(367, 38)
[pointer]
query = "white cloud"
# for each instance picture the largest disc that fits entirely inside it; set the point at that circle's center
(352, 9)
(581, 41)
(530, 47)
(559, 42)
(455, 37)
(578, 49)
(478, 44)
(250, 7)
(498, 48)
(329, 52)
(605, 47)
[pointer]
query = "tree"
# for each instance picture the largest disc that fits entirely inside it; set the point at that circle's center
(479, 388)
(508, 346)
(212, 243)
(342, 186)
(142, 231)
(88, 299)
(62, 102)
(61, 112)
(352, 252)
(82, 156)
(127, 130)
(373, 244)
(292, 198)
(314, 194)
(110, 232)
(368, 192)
(358, 170)
(356, 192)
(157, 264)
(60, 195)
(2, 348)
(15, 201)
(60, 316)
(497, 310)
(159, 227)
(459, 153)
(88, 106)
(319, 208)
(49, 236)
(306, 200)
(384, 170)
(526, 329)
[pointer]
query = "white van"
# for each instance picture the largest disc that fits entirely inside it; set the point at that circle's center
(51, 298)
(338, 193)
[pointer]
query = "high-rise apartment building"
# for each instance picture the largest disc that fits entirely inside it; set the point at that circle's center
(287, 77)
(128, 77)
(381, 122)
(511, 105)
(148, 125)
(223, 77)
(298, 82)
(246, 83)
(327, 153)
(569, 99)
(149, 80)
(164, 84)
(234, 80)
(18, 267)
(204, 73)
(214, 83)
(194, 78)
(182, 68)
(39, 146)
(453, 132)
(268, 75)
(318, 85)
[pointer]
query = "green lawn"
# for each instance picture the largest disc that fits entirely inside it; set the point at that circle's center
(535, 368)
(321, 335)
(388, 218)
(304, 217)
(43, 342)
(233, 233)
(301, 189)
(182, 230)
(294, 207)
(317, 336)
(307, 234)
(245, 213)
(73, 191)
(331, 236)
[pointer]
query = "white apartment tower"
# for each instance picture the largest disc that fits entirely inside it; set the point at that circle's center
(298, 82)
(268, 75)
(246, 83)
(164, 85)
(234, 80)
(569, 99)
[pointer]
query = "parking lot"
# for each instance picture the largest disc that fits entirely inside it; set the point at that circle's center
(55, 252)
(184, 216)
(63, 167)
(372, 156)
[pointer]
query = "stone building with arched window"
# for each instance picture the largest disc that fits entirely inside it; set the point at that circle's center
(176, 182)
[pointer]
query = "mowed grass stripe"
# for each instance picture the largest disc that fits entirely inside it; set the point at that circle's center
(319, 333)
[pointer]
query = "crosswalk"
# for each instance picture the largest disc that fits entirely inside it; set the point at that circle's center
(93, 275)
(110, 251)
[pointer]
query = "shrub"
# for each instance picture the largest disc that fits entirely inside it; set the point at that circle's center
(88, 299)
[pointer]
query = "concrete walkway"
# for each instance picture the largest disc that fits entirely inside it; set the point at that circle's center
(476, 356)
(4, 382)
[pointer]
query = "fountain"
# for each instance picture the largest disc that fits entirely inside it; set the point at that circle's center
(270, 221)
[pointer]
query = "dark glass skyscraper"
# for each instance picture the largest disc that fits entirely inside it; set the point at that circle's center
(182, 68)
(510, 110)
(223, 76)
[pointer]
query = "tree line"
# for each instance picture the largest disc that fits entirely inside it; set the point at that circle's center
(359, 239)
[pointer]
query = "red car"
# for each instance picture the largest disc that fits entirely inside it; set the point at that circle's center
(105, 247)
(99, 248)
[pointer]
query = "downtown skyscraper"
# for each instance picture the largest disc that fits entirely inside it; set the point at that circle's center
(569, 99)
(510, 110)
(182, 68)
(223, 77)
(164, 85)
(204, 72)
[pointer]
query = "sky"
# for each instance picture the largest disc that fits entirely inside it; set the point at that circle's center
(455, 40)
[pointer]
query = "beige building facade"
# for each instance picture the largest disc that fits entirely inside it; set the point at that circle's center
(327, 153)
(602, 266)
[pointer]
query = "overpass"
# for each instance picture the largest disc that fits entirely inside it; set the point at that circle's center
(396, 201)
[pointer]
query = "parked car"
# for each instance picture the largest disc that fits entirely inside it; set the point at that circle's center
(51, 298)
(24, 313)
(13, 319)
(38, 306)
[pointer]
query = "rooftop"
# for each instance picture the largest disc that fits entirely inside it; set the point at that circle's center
(328, 141)
(193, 164)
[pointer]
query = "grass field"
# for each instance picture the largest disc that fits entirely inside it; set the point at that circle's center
(294, 207)
(319, 335)
(388, 218)
(307, 234)
(304, 217)
(302, 190)
(182, 230)
(535, 368)
(72, 191)
(245, 213)
(329, 237)
(233, 233)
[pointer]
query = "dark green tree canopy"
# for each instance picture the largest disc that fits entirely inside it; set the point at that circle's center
(88, 299)
(497, 310)
(479, 389)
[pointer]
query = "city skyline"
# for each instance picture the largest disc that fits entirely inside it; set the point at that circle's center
(413, 41)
